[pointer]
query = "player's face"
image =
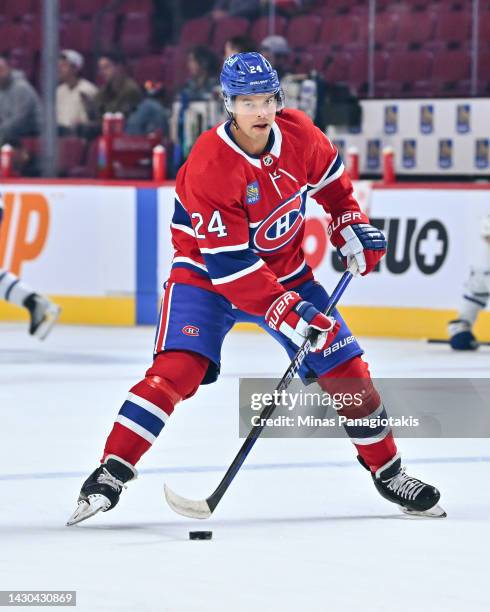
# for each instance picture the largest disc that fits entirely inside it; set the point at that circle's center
(255, 114)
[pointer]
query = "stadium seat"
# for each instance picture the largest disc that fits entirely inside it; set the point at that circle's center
(76, 34)
(484, 29)
(196, 31)
(385, 28)
(18, 8)
(404, 69)
(24, 59)
(411, 66)
(104, 31)
(342, 30)
(88, 165)
(32, 32)
(31, 150)
(87, 8)
(136, 34)
(149, 68)
(451, 73)
(175, 58)
(135, 6)
(415, 28)
(358, 70)
(229, 26)
(319, 53)
(301, 62)
(326, 9)
(71, 152)
(303, 31)
(484, 73)
(337, 70)
(260, 28)
(453, 26)
(12, 35)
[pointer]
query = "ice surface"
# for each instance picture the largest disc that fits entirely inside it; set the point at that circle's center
(301, 528)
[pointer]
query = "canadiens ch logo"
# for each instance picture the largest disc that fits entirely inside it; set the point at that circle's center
(281, 225)
(190, 330)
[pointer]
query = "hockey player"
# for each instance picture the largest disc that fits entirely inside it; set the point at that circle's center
(43, 313)
(237, 232)
(475, 299)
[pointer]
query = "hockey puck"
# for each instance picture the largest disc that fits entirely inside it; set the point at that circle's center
(200, 535)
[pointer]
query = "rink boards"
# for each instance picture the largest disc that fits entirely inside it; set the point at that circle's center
(102, 250)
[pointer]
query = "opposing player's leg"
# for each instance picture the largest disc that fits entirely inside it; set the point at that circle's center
(43, 312)
(193, 323)
(475, 299)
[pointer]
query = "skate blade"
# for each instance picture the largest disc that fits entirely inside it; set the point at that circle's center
(434, 512)
(86, 509)
(51, 316)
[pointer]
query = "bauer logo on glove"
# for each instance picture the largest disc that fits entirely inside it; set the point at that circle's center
(296, 318)
(356, 239)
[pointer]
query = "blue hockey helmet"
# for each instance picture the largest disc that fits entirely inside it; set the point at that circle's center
(248, 74)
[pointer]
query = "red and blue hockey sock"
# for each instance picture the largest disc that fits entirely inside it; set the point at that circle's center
(174, 376)
(375, 445)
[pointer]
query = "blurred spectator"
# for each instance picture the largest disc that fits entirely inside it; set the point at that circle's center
(276, 50)
(304, 91)
(202, 66)
(74, 94)
(20, 106)
(239, 44)
(150, 116)
(237, 8)
(119, 92)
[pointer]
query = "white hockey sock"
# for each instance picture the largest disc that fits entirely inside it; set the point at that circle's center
(13, 289)
(476, 295)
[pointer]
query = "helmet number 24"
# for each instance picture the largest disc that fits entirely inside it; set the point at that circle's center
(254, 69)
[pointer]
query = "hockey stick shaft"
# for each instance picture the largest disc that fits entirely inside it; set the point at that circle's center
(438, 341)
(214, 499)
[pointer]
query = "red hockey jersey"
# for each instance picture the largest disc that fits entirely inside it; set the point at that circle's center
(239, 219)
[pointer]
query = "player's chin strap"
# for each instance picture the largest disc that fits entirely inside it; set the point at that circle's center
(202, 509)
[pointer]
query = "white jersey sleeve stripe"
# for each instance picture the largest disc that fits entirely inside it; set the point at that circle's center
(223, 249)
(232, 277)
(183, 228)
(293, 273)
(188, 260)
(328, 180)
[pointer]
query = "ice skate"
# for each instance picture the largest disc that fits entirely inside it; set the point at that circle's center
(102, 489)
(461, 337)
(412, 495)
(44, 315)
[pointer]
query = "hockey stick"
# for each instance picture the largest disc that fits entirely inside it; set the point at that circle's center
(437, 341)
(202, 509)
